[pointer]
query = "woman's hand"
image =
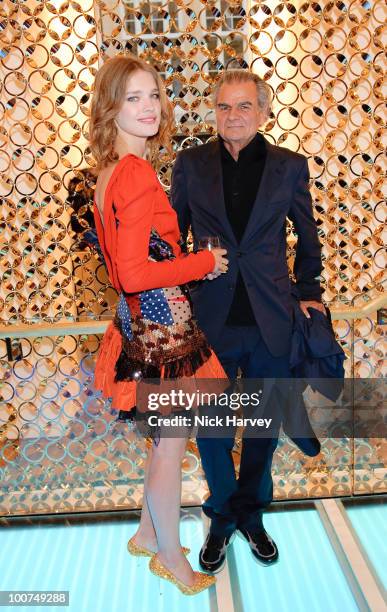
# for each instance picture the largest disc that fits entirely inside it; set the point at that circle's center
(221, 264)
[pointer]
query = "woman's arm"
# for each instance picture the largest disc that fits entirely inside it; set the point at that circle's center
(135, 191)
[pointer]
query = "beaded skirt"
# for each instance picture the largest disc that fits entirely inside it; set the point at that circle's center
(154, 351)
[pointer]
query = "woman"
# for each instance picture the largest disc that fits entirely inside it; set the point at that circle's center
(153, 334)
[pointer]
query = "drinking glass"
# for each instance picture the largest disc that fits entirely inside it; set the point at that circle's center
(209, 242)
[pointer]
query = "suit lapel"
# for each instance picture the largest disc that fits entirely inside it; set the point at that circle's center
(270, 183)
(213, 177)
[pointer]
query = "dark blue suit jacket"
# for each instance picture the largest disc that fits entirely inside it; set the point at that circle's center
(197, 197)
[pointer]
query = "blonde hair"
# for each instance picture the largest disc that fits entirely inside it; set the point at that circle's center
(264, 93)
(109, 94)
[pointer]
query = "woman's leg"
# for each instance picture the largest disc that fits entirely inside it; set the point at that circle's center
(146, 535)
(164, 499)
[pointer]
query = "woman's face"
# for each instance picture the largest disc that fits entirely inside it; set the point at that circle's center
(141, 110)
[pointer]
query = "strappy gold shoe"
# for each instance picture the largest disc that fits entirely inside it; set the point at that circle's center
(202, 581)
(141, 551)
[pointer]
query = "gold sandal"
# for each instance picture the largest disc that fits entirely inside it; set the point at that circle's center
(141, 551)
(202, 581)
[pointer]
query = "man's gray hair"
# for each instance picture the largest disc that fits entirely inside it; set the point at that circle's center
(264, 93)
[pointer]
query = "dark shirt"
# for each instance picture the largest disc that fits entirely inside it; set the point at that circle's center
(241, 181)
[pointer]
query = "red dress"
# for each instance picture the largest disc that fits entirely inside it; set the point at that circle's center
(135, 205)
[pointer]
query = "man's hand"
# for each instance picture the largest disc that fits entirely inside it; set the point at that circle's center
(304, 305)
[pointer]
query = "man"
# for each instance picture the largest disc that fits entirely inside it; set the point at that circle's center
(241, 188)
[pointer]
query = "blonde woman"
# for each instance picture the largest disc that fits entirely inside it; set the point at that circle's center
(153, 333)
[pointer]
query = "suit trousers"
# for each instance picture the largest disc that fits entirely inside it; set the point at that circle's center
(233, 502)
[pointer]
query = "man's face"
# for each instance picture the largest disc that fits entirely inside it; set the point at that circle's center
(238, 115)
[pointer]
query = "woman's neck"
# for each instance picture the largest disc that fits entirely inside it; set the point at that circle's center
(126, 143)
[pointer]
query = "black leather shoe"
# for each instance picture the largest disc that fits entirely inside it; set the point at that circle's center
(212, 556)
(264, 549)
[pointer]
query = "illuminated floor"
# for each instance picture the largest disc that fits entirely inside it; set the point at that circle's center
(88, 558)
(370, 524)
(308, 577)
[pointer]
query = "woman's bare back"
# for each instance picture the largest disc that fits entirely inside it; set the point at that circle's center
(101, 185)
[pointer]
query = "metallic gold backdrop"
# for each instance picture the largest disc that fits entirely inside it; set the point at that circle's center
(325, 62)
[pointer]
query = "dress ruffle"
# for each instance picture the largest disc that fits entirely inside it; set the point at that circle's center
(123, 393)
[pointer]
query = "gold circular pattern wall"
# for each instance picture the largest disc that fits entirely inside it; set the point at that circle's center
(47, 68)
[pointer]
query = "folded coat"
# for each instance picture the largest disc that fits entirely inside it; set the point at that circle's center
(316, 359)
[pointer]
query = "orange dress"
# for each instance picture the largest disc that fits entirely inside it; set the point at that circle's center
(136, 205)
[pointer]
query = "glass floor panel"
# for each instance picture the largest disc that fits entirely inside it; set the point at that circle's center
(88, 557)
(307, 577)
(91, 561)
(370, 523)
